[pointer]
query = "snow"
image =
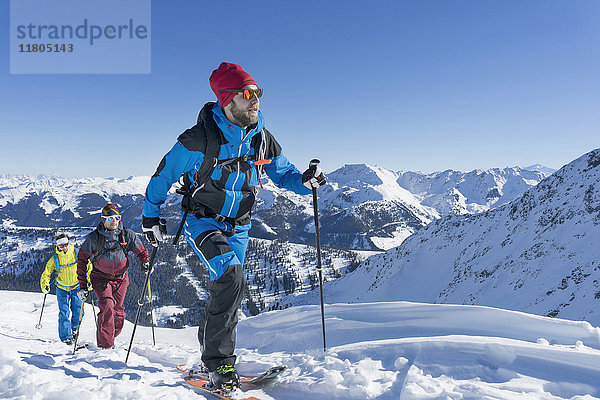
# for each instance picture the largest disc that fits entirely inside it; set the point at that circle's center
(386, 350)
(65, 191)
(360, 183)
(165, 313)
(398, 236)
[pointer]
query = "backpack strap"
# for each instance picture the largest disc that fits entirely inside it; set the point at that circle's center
(206, 138)
(211, 154)
(100, 239)
(123, 241)
(259, 144)
(56, 262)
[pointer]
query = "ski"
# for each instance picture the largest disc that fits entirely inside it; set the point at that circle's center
(271, 373)
(80, 346)
(198, 378)
(204, 385)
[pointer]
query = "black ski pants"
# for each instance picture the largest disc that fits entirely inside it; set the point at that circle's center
(224, 257)
(217, 330)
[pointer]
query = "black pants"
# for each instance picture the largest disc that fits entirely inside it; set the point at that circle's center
(217, 329)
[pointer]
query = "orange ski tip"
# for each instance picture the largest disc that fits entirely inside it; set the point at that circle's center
(182, 368)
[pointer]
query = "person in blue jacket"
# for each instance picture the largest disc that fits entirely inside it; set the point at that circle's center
(217, 210)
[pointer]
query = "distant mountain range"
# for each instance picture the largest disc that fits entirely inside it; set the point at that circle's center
(539, 253)
(363, 207)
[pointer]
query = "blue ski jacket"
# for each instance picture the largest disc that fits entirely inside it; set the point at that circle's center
(231, 189)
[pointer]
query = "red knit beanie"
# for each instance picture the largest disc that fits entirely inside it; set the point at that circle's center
(229, 76)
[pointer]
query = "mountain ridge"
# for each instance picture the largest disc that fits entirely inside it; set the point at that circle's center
(538, 254)
(363, 207)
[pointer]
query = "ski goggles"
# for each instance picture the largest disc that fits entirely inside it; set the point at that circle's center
(62, 246)
(111, 218)
(246, 93)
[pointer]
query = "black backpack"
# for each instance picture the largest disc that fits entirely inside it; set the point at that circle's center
(212, 141)
(101, 239)
(210, 145)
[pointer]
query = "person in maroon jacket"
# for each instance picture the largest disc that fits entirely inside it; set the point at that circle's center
(107, 247)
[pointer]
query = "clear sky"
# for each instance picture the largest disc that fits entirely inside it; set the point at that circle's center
(407, 85)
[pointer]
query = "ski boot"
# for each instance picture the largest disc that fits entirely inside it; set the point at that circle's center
(224, 377)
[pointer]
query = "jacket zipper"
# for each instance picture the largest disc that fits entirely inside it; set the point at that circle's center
(238, 171)
(113, 261)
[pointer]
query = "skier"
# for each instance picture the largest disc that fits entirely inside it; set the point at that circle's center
(217, 201)
(107, 247)
(64, 263)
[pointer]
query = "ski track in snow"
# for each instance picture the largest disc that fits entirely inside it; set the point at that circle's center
(391, 350)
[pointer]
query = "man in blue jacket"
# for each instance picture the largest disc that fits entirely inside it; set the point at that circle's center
(217, 207)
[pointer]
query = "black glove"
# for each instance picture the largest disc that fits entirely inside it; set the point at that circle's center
(313, 177)
(155, 229)
(83, 294)
(147, 267)
(46, 289)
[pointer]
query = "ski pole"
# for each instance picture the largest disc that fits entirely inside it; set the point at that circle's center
(39, 325)
(78, 328)
(141, 300)
(151, 313)
(181, 224)
(313, 164)
(93, 309)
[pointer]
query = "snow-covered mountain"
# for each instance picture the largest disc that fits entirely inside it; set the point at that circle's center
(539, 253)
(51, 201)
(540, 168)
(455, 192)
(390, 350)
(363, 207)
(369, 207)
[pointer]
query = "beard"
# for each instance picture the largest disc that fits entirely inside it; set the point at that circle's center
(243, 117)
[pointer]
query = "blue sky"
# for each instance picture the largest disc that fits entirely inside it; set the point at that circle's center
(407, 85)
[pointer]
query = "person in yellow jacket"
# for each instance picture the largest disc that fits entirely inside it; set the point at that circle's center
(64, 262)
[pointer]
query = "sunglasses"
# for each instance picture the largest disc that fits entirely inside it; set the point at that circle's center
(246, 93)
(63, 245)
(112, 218)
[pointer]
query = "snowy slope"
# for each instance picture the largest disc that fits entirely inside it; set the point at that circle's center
(368, 199)
(390, 350)
(539, 254)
